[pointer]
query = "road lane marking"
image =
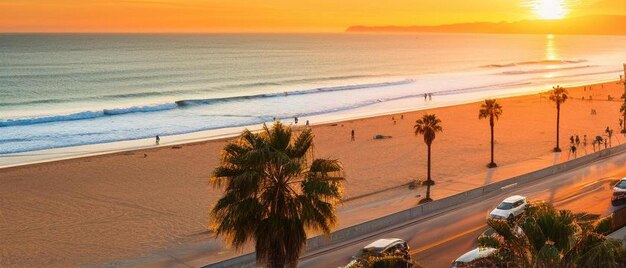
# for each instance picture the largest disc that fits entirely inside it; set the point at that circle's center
(508, 186)
(440, 242)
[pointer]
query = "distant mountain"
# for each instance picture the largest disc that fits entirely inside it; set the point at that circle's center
(589, 25)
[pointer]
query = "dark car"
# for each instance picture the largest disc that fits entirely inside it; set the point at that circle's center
(619, 191)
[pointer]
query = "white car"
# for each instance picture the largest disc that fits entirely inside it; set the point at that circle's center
(471, 256)
(382, 247)
(619, 190)
(510, 208)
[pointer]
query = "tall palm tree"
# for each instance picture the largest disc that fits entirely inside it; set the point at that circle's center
(274, 192)
(558, 95)
(492, 110)
(546, 237)
(428, 126)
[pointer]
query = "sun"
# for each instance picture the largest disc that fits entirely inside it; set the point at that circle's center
(550, 9)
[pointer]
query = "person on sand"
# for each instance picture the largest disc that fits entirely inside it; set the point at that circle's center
(352, 135)
(158, 139)
(425, 96)
(430, 96)
(577, 139)
(295, 120)
(571, 139)
(307, 122)
(585, 143)
(593, 143)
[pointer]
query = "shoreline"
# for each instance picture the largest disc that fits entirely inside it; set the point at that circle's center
(90, 150)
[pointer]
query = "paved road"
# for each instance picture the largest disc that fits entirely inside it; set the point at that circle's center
(437, 240)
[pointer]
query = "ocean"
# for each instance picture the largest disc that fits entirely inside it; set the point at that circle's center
(61, 90)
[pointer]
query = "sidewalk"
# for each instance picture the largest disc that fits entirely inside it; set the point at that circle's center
(355, 211)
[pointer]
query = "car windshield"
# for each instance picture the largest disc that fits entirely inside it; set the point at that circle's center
(363, 253)
(621, 184)
(505, 206)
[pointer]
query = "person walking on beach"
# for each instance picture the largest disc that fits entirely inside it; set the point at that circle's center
(585, 143)
(307, 122)
(352, 135)
(430, 96)
(295, 120)
(571, 139)
(609, 134)
(158, 139)
(593, 143)
(425, 95)
(577, 140)
(572, 151)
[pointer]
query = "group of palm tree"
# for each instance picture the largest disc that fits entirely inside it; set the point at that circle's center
(546, 237)
(429, 125)
(274, 189)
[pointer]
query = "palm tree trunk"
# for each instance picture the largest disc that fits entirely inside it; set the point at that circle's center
(492, 164)
(428, 179)
(558, 118)
(624, 121)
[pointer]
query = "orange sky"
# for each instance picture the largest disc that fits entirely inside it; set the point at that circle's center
(267, 15)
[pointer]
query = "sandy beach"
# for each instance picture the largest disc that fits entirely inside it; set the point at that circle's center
(96, 210)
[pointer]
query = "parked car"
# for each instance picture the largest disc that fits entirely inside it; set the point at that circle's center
(472, 255)
(384, 247)
(510, 208)
(619, 191)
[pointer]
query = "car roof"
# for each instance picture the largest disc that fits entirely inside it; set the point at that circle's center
(475, 254)
(381, 244)
(514, 198)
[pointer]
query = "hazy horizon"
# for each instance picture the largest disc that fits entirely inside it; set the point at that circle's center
(278, 16)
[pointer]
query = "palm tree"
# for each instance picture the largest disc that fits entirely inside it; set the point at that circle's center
(546, 237)
(558, 95)
(492, 110)
(428, 126)
(274, 192)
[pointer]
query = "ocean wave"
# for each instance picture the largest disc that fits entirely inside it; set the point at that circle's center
(540, 62)
(140, 109)
(293, 93)
(183, 103)
(51, 118)
(179, 91)
(85, 115)
(548, 70)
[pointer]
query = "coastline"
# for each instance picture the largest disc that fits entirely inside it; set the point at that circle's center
(121, 205)
(89, 150)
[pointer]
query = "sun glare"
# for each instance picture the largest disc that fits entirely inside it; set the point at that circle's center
(550, 9)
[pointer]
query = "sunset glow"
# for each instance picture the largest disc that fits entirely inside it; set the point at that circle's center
(277, 15)
(550, 9)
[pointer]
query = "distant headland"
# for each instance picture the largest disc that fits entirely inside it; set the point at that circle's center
(587, 25)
